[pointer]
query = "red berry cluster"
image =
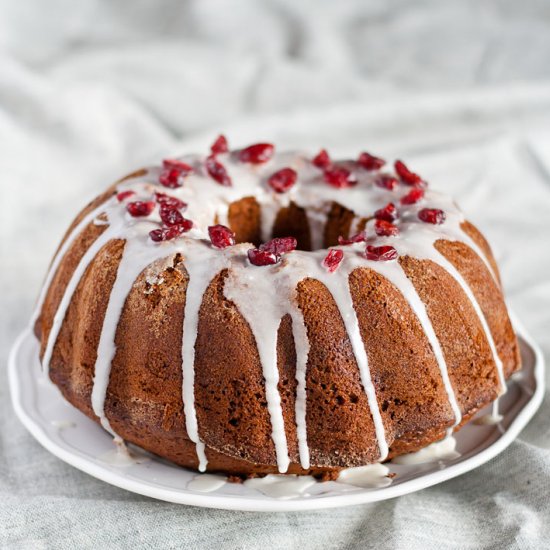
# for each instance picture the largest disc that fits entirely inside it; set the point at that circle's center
(405, 175)
(432, 215)
(370, 162)
(221, 236)
(173, 222)
(386, 182)
(140, 209)
(387, 213)
(283, 180)
(216, 170)
(173, 173)
(336, 176)
(380, 253)
(333, 259)
(123, 195)
(257, 153)
(270, 252)
(357, 238)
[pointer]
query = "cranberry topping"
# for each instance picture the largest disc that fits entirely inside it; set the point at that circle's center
(321, 160)
(370, 162)
(333, 259)
(174, 164)
(380, 253)
(279, 245)
(270, 252)
(217, 171)
(173, 173)
(405, 175)
(262, 257)
(170, 216)
(219, 146)
(339, 177)
(123, 195)
(388, 213)
(386, 182)
(413, 196)
(169, 233)
(283, 180)
(221, 236)
(432, 215)
(139, 209)
(384, 228)
(257, 153)
(166, 201)
(357, 238)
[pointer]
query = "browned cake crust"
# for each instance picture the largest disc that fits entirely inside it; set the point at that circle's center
(144, 396)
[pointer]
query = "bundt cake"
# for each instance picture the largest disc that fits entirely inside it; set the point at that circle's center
(255, 312)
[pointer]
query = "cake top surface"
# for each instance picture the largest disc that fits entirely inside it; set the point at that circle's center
(398, 204)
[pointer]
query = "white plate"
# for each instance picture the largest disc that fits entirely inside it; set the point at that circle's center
(74, 438)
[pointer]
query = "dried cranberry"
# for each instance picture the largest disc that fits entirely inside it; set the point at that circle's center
(370, 162)
(386, 182)
(217, 171)
(177, 164)
(384, 228)
(339, 177)
(221, 236)
(219, 146)
(333, 259)
(169, 233)
(170, 216)
(166, 201)
(279, 245)
(283, 180)
(262, 257)
(357, 238)
(405, 175)
(321, 160)
(432, 215)
(173, 173)
(413, 196)
(388, 213)
(123, 195)
(257, 153)
(139, 209)
(380, 253)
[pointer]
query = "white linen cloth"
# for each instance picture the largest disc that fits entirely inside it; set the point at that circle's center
(92, 89)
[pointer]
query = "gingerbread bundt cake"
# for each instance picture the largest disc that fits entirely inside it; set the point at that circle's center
(250, 312)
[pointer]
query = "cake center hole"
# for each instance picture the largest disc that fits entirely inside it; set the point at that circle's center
(312, 230)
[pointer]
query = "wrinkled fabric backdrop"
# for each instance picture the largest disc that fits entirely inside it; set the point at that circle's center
(92, 89)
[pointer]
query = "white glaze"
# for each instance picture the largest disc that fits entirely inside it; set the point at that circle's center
(121, 456)
(488, 420)
(281, 486)
(86, 220)
(135, 258)
(440, 450)
(201, 271)
(458, 277)
(301, 343)
(264, 295)
(68, 295)
(206, 483)
(63, 424)
(372, 476)
(491, 419)
(395, 274)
